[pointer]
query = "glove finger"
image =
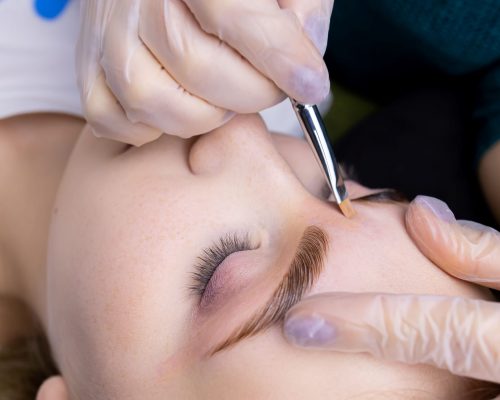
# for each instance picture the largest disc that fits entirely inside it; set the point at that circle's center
(271, 39)
(147, 93)
(102, 111)
(466, 250)
(87, 48)
(202, 64)
(453, 333)
(107, 118)
(314, 16)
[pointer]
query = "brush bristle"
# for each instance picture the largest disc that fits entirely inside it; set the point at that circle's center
(347, 208)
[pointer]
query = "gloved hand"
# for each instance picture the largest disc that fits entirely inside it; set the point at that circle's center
(461, 335)
(184, 67)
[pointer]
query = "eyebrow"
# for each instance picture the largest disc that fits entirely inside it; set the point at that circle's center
(304, 270)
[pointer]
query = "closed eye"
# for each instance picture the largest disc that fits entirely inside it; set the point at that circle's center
(213, 256)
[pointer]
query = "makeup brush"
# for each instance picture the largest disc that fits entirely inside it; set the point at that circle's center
(315, 132)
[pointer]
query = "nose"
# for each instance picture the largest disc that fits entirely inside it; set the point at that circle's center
(244, 137)
(242, 147)
(243, 153)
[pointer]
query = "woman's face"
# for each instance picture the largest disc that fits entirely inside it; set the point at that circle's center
(160, 255)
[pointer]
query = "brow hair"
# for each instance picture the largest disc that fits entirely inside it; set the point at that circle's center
(304, 270)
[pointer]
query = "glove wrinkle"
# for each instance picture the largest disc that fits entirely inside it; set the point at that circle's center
(453, 333)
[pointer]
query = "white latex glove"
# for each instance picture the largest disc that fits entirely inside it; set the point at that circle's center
(457, 334)
(184, 67)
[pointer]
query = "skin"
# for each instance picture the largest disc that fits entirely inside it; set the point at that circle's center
(123, 234)
(489, 176)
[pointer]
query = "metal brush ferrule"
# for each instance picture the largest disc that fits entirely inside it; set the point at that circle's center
(316, 134)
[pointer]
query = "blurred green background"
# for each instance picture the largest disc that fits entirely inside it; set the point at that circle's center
(346, 111)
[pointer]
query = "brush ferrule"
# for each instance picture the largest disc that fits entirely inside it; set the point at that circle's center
(316, 134)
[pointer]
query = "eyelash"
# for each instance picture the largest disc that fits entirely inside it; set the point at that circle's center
(213, 256)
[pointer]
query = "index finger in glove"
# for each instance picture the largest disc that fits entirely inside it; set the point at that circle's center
(148, 94)
(464, 249)
(202, 65)
(452, 333)
(271, 39)
(107, 118)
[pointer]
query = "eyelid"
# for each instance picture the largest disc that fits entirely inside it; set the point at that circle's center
(213, 257)
(227, 281)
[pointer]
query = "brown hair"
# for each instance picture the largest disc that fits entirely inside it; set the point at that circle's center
(24, 365)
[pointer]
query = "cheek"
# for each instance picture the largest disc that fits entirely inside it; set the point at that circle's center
(119, 320)
(111, 286)
(259, 368)
(266, 367)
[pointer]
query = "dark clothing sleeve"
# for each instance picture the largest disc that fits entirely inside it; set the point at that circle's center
(385, 49)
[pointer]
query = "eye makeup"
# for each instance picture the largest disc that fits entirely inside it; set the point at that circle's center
(205, 284)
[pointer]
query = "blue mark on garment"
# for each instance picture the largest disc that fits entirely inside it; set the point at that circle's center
(50, 9)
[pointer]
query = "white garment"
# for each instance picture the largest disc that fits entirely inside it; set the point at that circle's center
(37, 66)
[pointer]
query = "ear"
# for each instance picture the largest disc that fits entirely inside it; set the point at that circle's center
(54, 388)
